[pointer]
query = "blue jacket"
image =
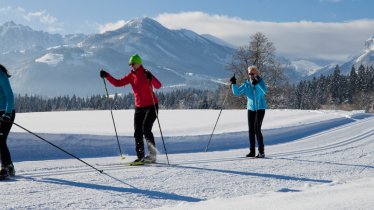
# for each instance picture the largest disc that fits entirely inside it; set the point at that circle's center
(255, 94)
(6, 94)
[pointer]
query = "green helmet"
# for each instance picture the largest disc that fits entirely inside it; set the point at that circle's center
(135, 59)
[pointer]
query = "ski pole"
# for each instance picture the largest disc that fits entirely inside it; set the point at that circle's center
(211, 135)
(158, 121)
(41, 138)
(114, 124)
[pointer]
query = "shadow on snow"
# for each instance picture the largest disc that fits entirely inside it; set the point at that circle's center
(151, 194)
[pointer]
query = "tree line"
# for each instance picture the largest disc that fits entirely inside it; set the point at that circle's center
(177, 99)
(335, 91)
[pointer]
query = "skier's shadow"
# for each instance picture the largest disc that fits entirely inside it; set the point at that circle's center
(148, 193)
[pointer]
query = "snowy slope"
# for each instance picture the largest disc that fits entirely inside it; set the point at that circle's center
(16, 37)
(365, 58)
(304, 67)
(316, 160)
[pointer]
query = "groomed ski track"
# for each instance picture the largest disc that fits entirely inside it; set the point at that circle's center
(331, 156)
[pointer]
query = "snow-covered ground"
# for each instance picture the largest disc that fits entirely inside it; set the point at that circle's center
(315, 160)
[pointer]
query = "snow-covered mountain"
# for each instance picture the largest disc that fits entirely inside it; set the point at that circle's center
(52, 64)
(366, 58)
(15, 37)
(305, 67)
(297, 69)
(217, 40)
(178, 52)
(47, 64)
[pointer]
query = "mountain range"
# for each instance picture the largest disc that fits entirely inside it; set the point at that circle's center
(52, 64)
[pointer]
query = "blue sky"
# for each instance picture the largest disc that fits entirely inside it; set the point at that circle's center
(102, 11)
(290, 24)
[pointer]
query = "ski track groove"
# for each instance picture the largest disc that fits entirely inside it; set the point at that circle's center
(326, 147)
(351, 139)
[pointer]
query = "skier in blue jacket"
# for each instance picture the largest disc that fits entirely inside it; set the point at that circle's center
(7, 115)
(255, 90)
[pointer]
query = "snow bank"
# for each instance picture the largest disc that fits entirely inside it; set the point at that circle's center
(173, 122)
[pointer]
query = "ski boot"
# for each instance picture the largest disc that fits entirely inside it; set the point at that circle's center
(10, 168)
(137, 162)
(150, 159)
(260, 155)
(4, 174)
(251, 154)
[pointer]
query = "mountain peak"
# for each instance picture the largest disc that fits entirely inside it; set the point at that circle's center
(142, 24)
(144, 20)
(9, 24)
(369, 44)
(17, 37)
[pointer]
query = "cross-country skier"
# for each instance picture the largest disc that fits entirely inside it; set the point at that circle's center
(146, 105)
(255, 90)
(7, 115)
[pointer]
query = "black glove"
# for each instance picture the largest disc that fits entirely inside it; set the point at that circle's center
(148, 75)
(233, 80)
(103, 74)
(254, 81)
(7, 117)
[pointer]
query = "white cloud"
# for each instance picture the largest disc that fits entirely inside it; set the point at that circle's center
(306, 39)
(111, 26)
(19, 14)
(42, 16)
(5, 10)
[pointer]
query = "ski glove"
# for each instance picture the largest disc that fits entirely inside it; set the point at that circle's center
(148, 75)
(103, 74)
(233, 80)
(7, 117)
(254, 82)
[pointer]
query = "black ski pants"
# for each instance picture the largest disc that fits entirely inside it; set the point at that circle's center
(255, 119)
(4, 131)
(143, 122)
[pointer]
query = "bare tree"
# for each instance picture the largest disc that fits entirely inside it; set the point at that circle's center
(259, 52)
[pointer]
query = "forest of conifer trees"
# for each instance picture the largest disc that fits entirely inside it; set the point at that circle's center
(354, 91)
(336, 91)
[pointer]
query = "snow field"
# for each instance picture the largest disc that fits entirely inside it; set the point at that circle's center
(315, 160)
